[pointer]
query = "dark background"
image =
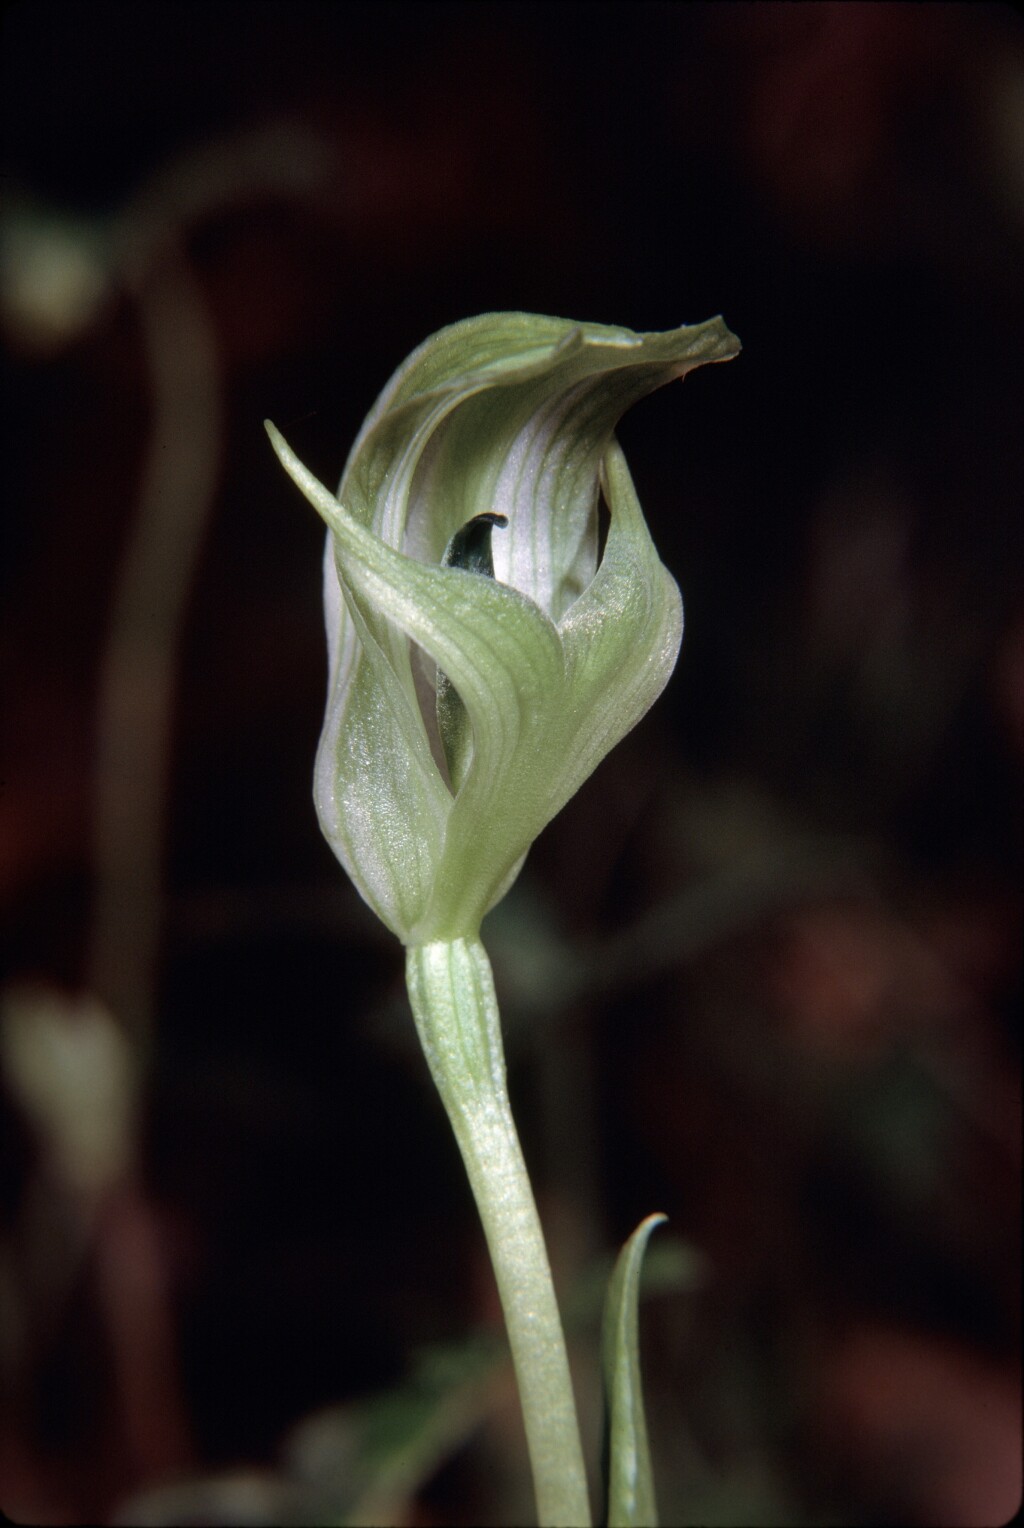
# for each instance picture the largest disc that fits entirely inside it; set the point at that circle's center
(763, 973)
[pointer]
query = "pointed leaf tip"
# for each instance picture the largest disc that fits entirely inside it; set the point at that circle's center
(629, 1478)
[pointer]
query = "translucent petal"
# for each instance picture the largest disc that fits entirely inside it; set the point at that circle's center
(381, 803)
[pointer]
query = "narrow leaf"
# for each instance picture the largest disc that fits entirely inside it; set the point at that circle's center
(630, 1483)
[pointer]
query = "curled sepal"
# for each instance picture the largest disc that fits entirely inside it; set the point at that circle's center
(629, 1482)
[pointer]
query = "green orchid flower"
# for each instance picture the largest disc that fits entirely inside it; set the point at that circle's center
(464, 710)
(484, 656)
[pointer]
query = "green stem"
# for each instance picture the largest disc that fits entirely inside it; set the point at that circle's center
(452, 995)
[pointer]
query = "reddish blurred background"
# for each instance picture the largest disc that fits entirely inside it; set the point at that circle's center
(762, 974)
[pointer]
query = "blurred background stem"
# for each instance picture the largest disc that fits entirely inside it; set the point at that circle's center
(136, 689)
(133, 755)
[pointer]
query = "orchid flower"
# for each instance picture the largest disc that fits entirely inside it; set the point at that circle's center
(464, 709)
(484, 656)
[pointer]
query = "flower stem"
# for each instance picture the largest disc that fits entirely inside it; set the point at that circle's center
(451, 990)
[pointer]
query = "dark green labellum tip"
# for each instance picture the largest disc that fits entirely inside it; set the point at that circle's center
(470, 547)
